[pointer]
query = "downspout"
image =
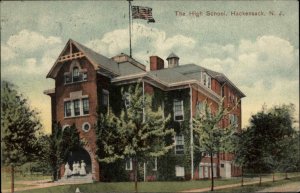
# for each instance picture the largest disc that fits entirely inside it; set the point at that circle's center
(145, 168)
(191, 131)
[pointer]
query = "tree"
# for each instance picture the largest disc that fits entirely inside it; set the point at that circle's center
(58, 145)
(264, 144)
(139, 133)
(240, 141)
(212, 138)
(19, 129)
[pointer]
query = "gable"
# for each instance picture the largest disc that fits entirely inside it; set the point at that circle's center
(73, 50)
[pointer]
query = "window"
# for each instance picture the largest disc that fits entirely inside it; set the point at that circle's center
(68, 109)
(76, 107)
(179, 171)
(67, 78)
(126, 99)
(105, 98)
(233, 120)
(178, 110)
(179, 144)
(206, 80)
(200, 106)
(76, 76)
(86, 127)
(222, 165)
(155, 164)
(84, 76)
(86, 106)
(128, 165)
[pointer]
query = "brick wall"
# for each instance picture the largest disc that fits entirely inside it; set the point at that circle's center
(89, 88)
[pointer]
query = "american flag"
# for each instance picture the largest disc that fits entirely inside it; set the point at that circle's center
(139, 12)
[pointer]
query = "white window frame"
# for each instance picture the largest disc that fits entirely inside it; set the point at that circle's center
(178, 113)
(181, 143)
(79, 106)
(126, 99)
(155, 164)
(72, 106)
(84, 76)
(206, 80)
(77, 75)
(179, 171)
(88, 105)
(65, 109)
(130, 164)
(84, 124)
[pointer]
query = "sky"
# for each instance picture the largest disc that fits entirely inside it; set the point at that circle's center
(259, 53)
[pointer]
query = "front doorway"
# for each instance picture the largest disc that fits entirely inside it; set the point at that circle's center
(78, 156)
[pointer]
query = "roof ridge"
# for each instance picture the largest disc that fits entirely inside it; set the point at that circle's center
(88, 49)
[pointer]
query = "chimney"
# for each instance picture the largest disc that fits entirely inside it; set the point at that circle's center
(173, 60)
(156, 63)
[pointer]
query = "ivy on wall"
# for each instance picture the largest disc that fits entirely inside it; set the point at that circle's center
(167, 163)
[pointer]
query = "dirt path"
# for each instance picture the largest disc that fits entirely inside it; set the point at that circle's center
(38, 184)
(247, 183)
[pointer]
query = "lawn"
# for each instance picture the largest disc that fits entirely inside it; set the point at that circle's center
(6, 179)
(129, 186)
(173, 186)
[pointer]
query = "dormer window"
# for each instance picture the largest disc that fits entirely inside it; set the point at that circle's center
(206, 80)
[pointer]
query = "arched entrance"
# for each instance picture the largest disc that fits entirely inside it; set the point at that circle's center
(79, 155)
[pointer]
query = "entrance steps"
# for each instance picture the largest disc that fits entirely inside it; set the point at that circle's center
(76, 179)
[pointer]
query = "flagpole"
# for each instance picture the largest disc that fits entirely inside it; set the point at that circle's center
(129, 17)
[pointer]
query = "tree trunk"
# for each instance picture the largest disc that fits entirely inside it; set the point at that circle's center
(286, 175)
(273, 177)
(212, 172)
(242, 181)
(135, 175)
(259, 178)
(12, 179)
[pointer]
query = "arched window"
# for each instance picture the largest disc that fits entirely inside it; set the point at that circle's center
(75, 74)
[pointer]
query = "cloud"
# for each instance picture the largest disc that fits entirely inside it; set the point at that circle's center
(7, 53)
(145, 41)
(30, 41)
(29, 53)
(267, 59)
(257, 95)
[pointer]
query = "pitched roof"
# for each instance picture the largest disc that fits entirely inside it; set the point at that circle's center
(183, 74)
(97, 60)
(172, 55)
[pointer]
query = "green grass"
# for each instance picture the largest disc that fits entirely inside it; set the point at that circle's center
(256, 187)
(6, 179)
(129, 186)
(173, 186)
